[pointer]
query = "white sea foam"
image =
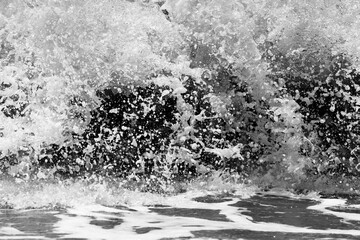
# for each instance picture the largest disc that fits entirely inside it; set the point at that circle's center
(177, 226)
(99, 211)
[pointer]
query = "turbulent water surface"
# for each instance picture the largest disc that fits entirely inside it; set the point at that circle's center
(170, 119)
(262, 216)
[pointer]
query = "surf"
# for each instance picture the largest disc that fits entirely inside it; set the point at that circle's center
(156, 96)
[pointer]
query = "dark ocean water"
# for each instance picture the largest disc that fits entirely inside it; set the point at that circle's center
(262, 216)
